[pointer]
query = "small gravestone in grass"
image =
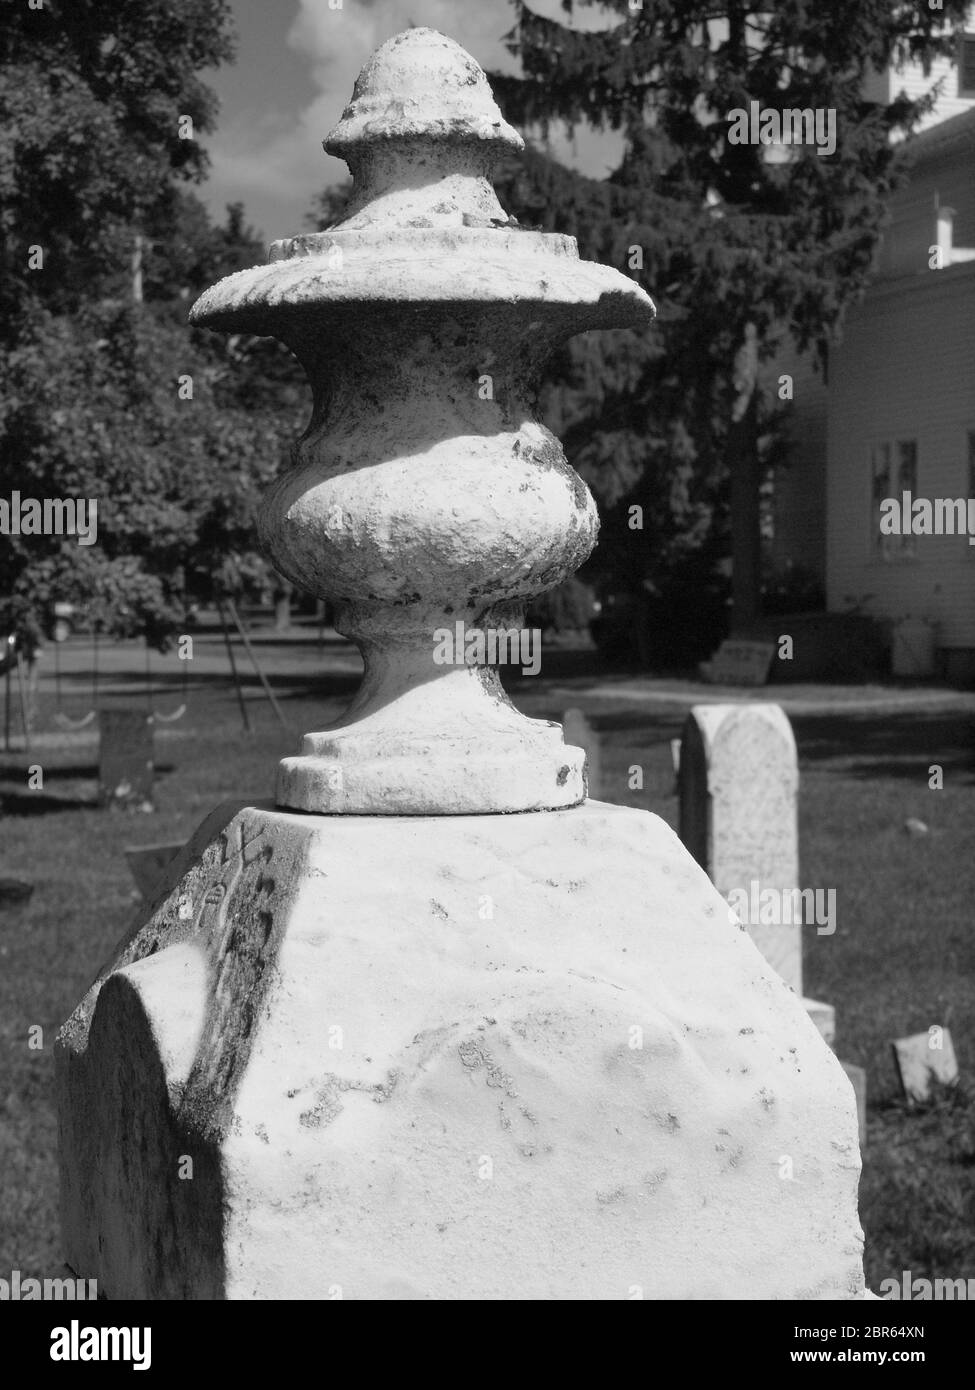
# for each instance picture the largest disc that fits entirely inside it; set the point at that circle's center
(925, 1061)
(739, 662)
(579, 733)
(126, 761)
(147, 862)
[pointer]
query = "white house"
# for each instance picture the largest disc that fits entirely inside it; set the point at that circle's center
(897, 414)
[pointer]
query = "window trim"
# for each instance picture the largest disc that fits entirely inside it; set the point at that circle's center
(966, 40)
(881, 552)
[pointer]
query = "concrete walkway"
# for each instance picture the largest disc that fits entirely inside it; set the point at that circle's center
(794, 699)
(302, 654)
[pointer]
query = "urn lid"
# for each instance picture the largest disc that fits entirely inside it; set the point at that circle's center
(420, 84)
(422, 135)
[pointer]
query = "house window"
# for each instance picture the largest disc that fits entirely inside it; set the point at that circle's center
(966, 66)
(893, 468)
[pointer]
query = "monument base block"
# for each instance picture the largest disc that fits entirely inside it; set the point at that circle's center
(468, 1057)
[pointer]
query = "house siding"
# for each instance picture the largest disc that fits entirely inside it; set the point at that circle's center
(905, 370)
(912, 79)
(947, 181)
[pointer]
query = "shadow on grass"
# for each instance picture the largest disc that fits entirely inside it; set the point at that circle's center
(867, 746)
(38, 804)
(890, 745)
(917, 1200)
(286, 685)
(78, 789)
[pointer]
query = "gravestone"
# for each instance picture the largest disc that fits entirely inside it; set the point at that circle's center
(126, 761)
(147, 864)
(739, 785)
(739, 662)
(924, 1061)
(739, 781)
(675, 756)
(858, 1080)
(385, 1023)
(577, 730)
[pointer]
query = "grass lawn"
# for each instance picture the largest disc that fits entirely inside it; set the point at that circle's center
(902, 957)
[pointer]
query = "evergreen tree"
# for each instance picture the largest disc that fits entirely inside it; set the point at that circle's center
(737, 243)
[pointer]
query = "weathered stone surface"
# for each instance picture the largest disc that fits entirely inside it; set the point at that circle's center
(559, 1072)
(455, 1056)
(425, 491)
(739, 782)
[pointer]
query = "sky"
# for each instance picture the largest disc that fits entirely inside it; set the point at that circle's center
(296, 63)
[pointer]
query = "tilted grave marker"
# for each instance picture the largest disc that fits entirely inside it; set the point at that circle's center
(924, 1061)
(126, 759)
(740, 662)
(148, 863)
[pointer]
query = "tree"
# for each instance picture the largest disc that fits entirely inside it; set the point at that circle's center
(733, 245)
(183, 252)
(106, 397)
(145, 424)
(329, 207)
(101, 110)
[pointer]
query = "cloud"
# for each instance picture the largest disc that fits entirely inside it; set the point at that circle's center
(274, 162)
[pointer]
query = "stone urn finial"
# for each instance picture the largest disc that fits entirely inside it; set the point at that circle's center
(425, 501)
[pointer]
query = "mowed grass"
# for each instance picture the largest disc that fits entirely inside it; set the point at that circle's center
(902, 957)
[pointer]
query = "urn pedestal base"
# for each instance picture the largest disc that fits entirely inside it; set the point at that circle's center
(462, 1057)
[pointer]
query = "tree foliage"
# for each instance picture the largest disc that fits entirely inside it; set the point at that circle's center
(176, 477)
(90, 107)
(173, 433)
(720, 235)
